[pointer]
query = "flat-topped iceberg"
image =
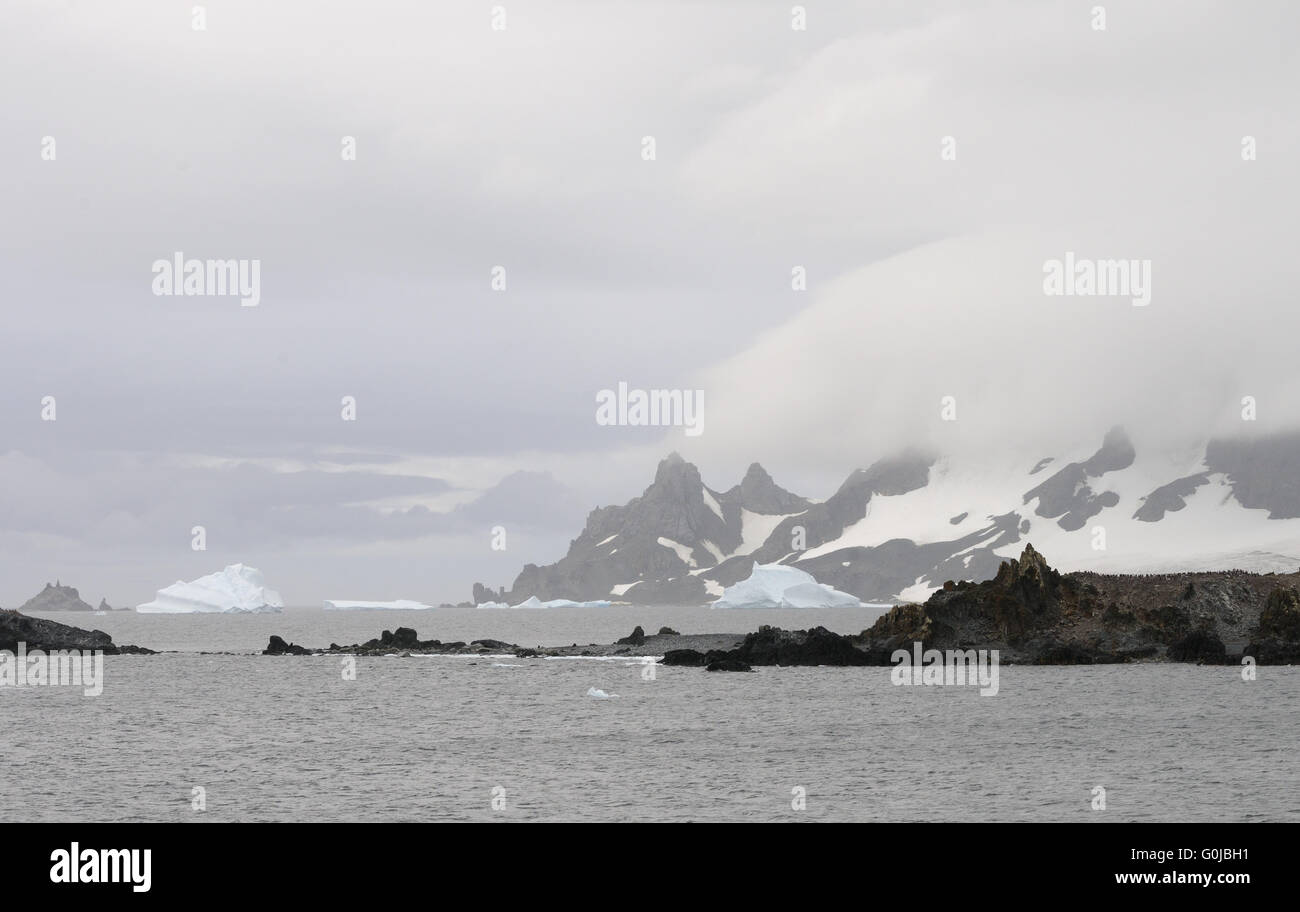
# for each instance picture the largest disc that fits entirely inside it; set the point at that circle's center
(781, 586)
(236, 589)
(399, 605)
(535, 602)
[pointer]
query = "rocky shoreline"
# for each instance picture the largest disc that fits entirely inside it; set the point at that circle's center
(1029, 612)
(47, 635)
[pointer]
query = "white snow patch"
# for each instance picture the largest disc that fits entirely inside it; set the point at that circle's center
(757, 528)
(682, 551)
(918, 592)
(711, 502)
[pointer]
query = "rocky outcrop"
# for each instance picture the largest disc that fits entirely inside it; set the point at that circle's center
(727, 665)
(774, 646)
(278, 646)
(1033, 614)
(484, 594)
(40, 633)
(1280, 619)
(1276, 640)
(55, 597)
(636, 638)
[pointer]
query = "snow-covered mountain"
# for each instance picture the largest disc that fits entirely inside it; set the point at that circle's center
(898, 529)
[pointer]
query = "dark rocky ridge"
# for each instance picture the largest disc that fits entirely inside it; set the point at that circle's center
(40, 633)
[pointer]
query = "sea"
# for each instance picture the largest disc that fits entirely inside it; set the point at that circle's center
(210, 731)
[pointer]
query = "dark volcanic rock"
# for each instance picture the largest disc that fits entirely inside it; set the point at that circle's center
(727, 665)
(668, 631)
(492, 645)
(690, 658)
(402, 638)
(1033, 614)
(1273, 652)
(39, 633)
(277, 646)
(774, 646)
(636, 638)
(1199, 646)
(1280, 619)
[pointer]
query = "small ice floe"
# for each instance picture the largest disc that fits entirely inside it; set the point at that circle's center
(399, 605)
(505, 665)
(597, 694)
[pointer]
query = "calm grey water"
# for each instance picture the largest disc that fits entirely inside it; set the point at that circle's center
(431, 738)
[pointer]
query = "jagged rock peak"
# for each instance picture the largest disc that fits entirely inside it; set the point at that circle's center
(673, 467)
(759, 493)
(1031, 567)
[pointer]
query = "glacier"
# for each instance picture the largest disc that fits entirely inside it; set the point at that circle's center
(236, 589)
(782, 586)
(398, 605)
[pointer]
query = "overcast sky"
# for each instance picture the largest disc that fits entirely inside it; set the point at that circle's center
(522, 147)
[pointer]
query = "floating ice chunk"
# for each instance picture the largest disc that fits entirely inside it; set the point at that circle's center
(399, 605)
(782, 586)
(534, 602)
(597, 694)
(236, 589)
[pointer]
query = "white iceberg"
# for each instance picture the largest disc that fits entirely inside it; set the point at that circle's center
(399, 605)
(533, 602)
(237, 588)
(597, 694)
(782, 586)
